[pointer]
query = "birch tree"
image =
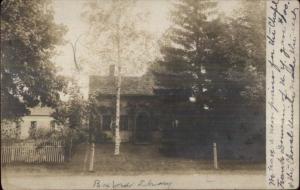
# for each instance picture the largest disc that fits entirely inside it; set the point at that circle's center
(118, 37)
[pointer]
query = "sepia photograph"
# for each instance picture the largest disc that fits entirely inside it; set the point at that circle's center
(149, 94)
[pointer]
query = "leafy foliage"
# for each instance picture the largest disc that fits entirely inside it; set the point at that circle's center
(8, 132)
(188, 46)
(222, 60)
(75, 115)
(28, 39)
(118, 31)
(72, 113)
(247, 51)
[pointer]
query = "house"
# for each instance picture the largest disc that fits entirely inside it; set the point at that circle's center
(40, 117)
(137, 121)
(153, 113)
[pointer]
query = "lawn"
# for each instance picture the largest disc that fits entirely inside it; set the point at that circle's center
(133, 160)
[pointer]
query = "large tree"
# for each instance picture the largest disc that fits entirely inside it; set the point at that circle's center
(220, 58)
(187, 48)
(118, 37)
(246, 50)
(28, 39)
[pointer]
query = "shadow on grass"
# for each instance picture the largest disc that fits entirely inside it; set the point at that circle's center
(133, 160)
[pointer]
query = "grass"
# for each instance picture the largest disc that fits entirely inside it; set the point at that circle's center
(133, 160)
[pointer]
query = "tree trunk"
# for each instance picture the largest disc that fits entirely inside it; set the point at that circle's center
(92, 155)
(118, 96)
(117, 130)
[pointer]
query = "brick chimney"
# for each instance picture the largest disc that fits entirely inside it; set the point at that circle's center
(112, 70)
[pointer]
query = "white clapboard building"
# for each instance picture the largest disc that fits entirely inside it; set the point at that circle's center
(40, 117)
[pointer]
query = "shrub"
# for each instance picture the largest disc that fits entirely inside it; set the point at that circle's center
(103, 137)
(80, 135)
(9, 132)
(42, 133)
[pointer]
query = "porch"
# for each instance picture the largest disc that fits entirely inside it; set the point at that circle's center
(139, 128)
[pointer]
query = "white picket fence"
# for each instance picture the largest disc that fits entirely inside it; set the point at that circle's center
(32, 152)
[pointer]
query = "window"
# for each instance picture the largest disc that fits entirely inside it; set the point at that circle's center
(124, 122)
(32, 129)
(107, 119)
(106, 122)
(33, 124)
(52, 125)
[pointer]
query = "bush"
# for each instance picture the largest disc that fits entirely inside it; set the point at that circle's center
(179, 141)
(80, 135)
(9, 132)
(103, 137)
(42, 133)
(173, 140)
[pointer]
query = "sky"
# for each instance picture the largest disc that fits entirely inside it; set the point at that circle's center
(68, 13)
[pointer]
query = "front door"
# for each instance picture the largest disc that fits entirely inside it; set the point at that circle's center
(142, 129)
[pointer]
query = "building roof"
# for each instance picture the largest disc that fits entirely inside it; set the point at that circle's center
(106, 85)
(41, 111)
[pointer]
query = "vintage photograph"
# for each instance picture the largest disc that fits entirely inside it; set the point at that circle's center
(133, 94)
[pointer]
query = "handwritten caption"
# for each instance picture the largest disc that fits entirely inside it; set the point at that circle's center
(139, 184)
(282, 33)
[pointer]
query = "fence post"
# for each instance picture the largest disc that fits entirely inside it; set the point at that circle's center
(91, 168)
(215, 155)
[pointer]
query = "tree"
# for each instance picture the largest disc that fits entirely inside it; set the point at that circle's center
(28, 75)
(118, 39)
(220, 58)
(187, 48)
(247, 52)
(216, 54)
(73, 116)
(72, 113)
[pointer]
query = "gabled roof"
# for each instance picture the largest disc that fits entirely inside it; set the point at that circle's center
(106, 85)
